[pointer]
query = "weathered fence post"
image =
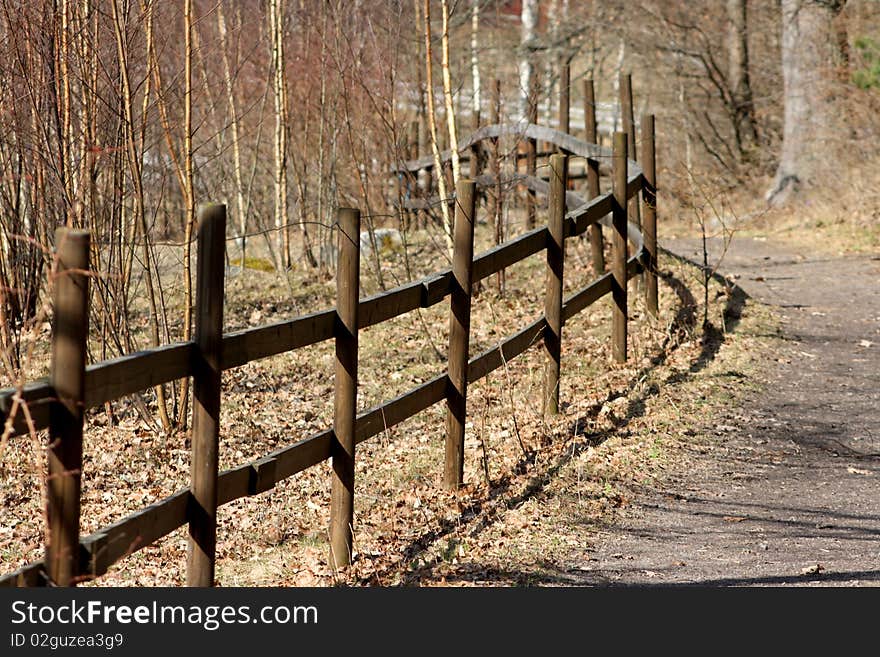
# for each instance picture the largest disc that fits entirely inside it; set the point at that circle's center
(564, 99)
(496, 196)
(629, 127)
(553, 293)
(416, 178)
(413, 140)
(206, 394)
(477, 150)
(618, 287)
(69, 344)
(410, 178)
(592, 136)
(459, 331)
(532, 154)
(345, 403)
(649, 199)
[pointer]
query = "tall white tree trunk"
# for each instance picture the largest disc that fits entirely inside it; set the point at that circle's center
(476, 100)
(276, 18)
(529, 19)
(447, 94)
(432, 127)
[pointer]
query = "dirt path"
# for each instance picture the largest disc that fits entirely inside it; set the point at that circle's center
(790, 494)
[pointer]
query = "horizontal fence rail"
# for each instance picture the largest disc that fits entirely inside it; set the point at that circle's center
(126, 375)
(145, 369)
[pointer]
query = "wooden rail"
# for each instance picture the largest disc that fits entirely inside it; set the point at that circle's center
(211, 352)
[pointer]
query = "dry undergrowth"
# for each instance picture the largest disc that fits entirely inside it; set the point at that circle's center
(840, 217)
(536, 487)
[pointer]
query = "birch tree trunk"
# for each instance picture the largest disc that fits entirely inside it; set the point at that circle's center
(476, 99)
(432, 127)
(276, 18)
(529, 19)
(447, 95)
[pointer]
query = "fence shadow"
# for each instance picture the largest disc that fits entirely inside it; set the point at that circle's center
(479, 514)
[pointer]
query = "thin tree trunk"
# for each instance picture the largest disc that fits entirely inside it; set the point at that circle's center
(322, 125)
(134, 150)
(432, 126)
(447, 94)
(236, 139)
(189, 198)
(745, 131)
(276, 17)
(66, 142)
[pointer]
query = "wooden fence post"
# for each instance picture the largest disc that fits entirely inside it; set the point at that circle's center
(459, 331)
(564, 98)
(477, 149)
(618, 287)
(629, 127)
(592, 136)
(412, 139)
(206, 395)
(345, 404)
(411, 178)
(649, 199)
(553, 293)
(495, 209)
(69, 344)
(532, 154)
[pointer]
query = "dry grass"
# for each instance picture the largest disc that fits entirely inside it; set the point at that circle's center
(843, 216)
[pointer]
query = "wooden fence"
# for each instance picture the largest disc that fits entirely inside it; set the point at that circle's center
(58, 404)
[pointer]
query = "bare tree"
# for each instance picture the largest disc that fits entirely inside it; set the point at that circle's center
(189, 198)
(432, 126)
(135, 137)
(236, 137)
(739, 79)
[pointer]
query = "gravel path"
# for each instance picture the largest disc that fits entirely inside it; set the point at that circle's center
(791, 495)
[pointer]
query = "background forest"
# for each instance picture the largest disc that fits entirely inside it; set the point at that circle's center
(120, 116)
